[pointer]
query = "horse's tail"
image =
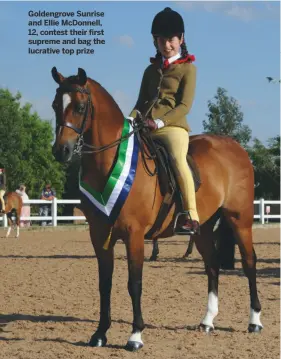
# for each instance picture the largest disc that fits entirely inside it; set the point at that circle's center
(226, 245)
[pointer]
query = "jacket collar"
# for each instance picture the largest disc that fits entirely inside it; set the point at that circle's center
(158, 61)
(171, 59)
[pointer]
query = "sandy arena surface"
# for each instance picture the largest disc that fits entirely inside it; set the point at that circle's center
(50, 301)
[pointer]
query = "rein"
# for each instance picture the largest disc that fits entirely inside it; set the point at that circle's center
(95, 149)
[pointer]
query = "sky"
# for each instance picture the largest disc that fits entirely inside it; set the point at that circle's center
(236, 46)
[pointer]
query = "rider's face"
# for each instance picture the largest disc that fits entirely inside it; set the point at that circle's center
(169, 46)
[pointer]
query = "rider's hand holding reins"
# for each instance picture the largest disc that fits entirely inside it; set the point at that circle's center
(143, 122)
(151, 124)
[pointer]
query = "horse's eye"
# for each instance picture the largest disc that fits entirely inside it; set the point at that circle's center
(80, 108)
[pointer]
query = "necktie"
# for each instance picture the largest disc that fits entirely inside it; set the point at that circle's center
(166, 64)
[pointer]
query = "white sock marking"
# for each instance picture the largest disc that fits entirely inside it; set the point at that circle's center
(255, 317)
(212, 309)
(18, 231)
(136, 337)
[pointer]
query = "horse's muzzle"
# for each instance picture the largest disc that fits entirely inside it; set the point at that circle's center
(63, 153)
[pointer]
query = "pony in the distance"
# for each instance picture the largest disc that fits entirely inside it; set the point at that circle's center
(13, 207)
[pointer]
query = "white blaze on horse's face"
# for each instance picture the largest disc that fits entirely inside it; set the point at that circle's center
(66, 100)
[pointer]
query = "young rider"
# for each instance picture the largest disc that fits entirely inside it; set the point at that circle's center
(165, 98)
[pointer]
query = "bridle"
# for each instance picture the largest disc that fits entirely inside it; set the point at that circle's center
(80, 143)
(63, 89)
(89, 106)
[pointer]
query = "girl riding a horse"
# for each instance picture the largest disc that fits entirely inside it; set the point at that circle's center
(121, 199)
(165, 98)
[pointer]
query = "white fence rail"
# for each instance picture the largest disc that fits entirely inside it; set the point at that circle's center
(263, 213)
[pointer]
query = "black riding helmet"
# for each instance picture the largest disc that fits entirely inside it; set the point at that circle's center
(167, 23)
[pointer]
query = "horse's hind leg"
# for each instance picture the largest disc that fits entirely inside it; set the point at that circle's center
(10, 222)
(226, 245)
(243, 234)
(155, 250)
(17, 224)
(205, 243)
(8, 230)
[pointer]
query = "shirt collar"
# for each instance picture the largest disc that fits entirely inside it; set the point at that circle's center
(172, 59)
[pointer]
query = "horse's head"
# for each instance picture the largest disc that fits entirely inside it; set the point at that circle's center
(73, 109)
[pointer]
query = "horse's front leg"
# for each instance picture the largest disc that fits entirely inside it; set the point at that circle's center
(18, 225)
(105, 265)
(135, 254)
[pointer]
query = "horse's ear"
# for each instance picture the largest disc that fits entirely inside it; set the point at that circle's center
(57, 76)
(82, 77)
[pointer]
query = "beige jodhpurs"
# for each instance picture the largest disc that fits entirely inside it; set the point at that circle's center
(2, 192)
(176, 141)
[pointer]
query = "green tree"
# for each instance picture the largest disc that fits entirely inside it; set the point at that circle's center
(26, 147)
(226, 118)
(266, 162)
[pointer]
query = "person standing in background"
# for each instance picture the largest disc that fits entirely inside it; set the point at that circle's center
(25, 212)
(47, 194)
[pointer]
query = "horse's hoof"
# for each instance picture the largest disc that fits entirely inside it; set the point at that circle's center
(254, 328)
(98, 340)
(206, 328)
(153, 259)
(133, 346)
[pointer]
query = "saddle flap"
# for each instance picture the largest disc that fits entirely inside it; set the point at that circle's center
(163, 159)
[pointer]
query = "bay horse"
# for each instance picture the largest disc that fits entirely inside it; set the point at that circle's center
(13, 207)
(121, 200)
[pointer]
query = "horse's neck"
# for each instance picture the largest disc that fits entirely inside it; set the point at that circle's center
(107, 126)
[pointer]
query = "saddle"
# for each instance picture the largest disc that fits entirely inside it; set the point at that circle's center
(169, 187)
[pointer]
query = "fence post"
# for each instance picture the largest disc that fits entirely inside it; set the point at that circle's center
(54, 212)
(261, 210)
